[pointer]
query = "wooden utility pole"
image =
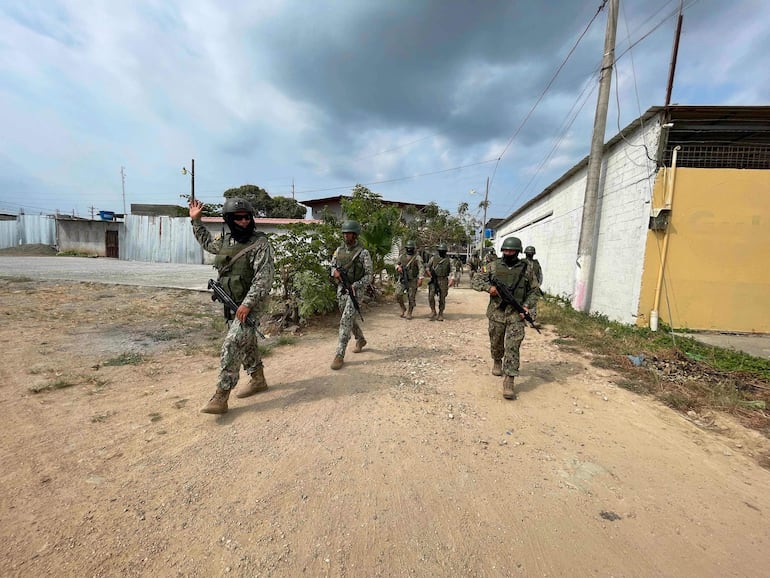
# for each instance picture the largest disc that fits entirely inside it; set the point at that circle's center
(581, 300)
(674, 54)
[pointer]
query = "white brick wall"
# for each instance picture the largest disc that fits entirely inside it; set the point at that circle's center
(625, 190)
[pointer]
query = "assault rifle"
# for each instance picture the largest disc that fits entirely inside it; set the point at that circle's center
(347, 289)
(231, 306)
(507, 298)
(404, 277)
(433, 279)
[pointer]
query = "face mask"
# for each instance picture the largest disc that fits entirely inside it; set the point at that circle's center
(510, 259)
(442, 254)
(410, 251)
(239, 233)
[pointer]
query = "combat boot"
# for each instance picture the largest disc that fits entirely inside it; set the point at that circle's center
(218, 402)
(338, 361)
(360, 344)
(497, 367)
(403, 309)
(258, 383)
(440, 316)
(432, 315)
(409, 313)
(508, 391)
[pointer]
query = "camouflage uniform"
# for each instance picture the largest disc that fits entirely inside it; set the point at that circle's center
(248, 282)
(414, 266)
(442, 267)
(539, 276)
(458, 271)
(506, 328)
(358, 263)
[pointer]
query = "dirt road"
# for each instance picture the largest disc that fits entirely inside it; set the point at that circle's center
(407, 462)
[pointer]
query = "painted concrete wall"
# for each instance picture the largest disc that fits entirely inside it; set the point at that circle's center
(87, 237)
(625, 190)
(717, 272)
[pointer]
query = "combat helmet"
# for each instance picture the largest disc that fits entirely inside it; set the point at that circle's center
(530, 250)
(237, 205)
(351, 227)
(441, 247)
(511, 244)
(410, 244)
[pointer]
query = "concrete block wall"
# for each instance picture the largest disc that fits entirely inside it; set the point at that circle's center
(625, 189)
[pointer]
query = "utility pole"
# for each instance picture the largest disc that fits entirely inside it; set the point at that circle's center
(292, 189)
(674, 54)
(93, 212)
(484, 224)
(123, 181)
(581, 299)
(191, 172)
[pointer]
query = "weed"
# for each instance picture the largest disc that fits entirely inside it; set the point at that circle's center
(683, 373)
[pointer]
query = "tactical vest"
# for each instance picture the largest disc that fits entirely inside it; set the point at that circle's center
(441, 266)
(512, 277)
(236, 279)
(344, 259)
(413, 267)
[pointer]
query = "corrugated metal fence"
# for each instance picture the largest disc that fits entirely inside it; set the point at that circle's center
(159, 240)
(28, 230)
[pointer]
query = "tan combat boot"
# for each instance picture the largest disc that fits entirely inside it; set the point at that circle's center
(508, 391)
(403, 309)
(497, 368)
(338, 361)
(409, 313)
(218, 402)
(360, 344)
(432, 315)
(258, 383)
(440, 316)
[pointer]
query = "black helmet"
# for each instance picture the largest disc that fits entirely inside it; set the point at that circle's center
(351, 227)
(237, 205)
(512, 244)
(530, 250)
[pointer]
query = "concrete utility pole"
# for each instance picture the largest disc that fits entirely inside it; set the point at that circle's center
(123, 181)
(191, 172)
(584, 271)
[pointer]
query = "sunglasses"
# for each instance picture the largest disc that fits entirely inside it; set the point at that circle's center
(241, 217)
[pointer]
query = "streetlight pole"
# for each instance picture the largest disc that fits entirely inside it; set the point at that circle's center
(191, 172)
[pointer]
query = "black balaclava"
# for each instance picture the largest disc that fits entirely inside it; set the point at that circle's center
(442, 254)
(410, 250)
(240, 234)
(510, 259)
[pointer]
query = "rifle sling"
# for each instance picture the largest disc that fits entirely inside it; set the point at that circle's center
(238, 255)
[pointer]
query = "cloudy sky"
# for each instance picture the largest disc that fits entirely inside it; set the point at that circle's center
(420, 100)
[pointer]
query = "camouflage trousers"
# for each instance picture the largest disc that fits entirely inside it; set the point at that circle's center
(348, 323)
(239, 348)
(456, 276)
(504, 342)
(410, 292)
(443, 285)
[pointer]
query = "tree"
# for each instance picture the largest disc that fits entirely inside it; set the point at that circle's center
(266, 206)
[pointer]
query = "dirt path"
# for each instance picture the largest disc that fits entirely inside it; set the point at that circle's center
(407, 462)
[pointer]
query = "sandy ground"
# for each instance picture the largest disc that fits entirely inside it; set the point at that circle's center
(407, 462)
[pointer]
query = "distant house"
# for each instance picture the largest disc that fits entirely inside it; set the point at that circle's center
(334, 205)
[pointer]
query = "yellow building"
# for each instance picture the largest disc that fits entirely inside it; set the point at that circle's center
(707, 255)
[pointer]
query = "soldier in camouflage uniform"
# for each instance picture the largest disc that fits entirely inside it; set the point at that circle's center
(244, 260)
(529, 254)
(506, 326)
(411, 262)
(457, 268)
(356, 261)
(441, 265)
